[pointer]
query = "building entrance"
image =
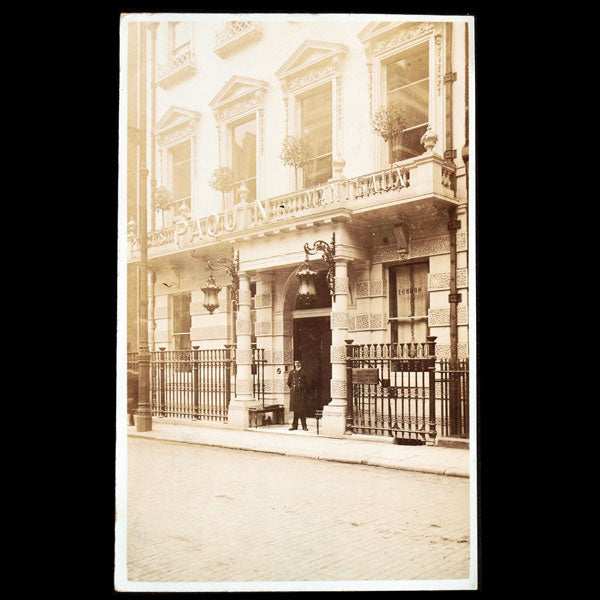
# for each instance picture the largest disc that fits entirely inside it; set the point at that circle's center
(312, 341)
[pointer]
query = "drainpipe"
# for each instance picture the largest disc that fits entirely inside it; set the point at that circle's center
(453, 225)
(153, 27)
(151, 309)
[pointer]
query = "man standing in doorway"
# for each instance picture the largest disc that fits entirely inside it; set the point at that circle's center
(299, 389)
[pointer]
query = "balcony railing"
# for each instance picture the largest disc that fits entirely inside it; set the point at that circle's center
(181, 63)
(235, 34)
(419, 178)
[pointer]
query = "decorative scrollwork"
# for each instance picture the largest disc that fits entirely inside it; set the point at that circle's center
(328, 251)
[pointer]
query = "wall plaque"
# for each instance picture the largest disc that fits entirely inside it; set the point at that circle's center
(365, 376)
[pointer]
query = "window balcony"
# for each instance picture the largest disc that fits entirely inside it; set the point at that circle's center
(235, 34)
(181, 65)
(416, 186)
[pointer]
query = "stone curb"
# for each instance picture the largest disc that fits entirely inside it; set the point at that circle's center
(372, 462)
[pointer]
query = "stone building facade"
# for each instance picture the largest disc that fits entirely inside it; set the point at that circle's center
(226, 94)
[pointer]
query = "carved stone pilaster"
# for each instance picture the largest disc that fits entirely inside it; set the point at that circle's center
(244, 327)
(339, 320)
(338, 354)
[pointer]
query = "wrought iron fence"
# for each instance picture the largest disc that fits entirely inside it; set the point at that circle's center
(258, 374)
(401, 390)
(391, 390)
(194, 384)
(453, 389)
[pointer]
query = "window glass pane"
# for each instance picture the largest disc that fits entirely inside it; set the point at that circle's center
(243, 144)
(411, 67)
(316, 120)
(316, 128)
(407, 144)
(412, 301)
(414, 101)
(181, 34)
(182, 182)
(317, 171)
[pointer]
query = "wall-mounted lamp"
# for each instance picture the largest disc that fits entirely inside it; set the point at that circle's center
(211, 289)
(328, 251)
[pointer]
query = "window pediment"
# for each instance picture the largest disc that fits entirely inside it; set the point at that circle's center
(175, 123)
(379, 37)
(237, 95)
(318, 57)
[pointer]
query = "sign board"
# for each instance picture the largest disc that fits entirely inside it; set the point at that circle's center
(365, 376)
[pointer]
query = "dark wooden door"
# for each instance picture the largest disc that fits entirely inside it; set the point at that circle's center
(312, 342)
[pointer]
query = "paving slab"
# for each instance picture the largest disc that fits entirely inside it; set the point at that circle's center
(306, 444)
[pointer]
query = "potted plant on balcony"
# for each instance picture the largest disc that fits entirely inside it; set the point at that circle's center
(389, 122)
(295, 152)
(222, 181)
(162, 200)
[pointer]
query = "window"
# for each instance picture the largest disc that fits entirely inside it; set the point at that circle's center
(180, 36)
(407, 85)
(243, 158)
(409, 303)
(182, 321)
(316, 127)
(181, 181)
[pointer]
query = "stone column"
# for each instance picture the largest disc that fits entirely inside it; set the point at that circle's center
(244, 397)
(263, 303)
(334, 413)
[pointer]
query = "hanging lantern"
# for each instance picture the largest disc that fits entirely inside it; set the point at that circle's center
(307, 293)
(211, 291)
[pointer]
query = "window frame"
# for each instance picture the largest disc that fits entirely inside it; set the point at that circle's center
(170, 172)
(435, 40)
(230, 197)
(298, 98)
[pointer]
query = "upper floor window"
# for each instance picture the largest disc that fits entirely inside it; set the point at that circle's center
(243, 157)
(316, 126)
(181, 172)
(407, 85)
(180, 35)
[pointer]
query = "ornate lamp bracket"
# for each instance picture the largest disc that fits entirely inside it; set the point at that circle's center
(233, 268)
(328, 251)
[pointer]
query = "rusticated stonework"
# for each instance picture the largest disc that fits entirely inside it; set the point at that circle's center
(209, 333)
(362, 321)
(282, 327)
(441, 281)
(243, 356)
(244, 327)
(245, 297)
(377, 321)
(338, 389)
(244, 386)
(282, 357)
(338, 354)
(339, 320)
(263, 301)
(443, 351)
(440, 317)
(341, 285)
(362, 289)
(263, 328)
(377, 287)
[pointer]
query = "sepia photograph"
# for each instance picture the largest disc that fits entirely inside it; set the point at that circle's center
(296, 290)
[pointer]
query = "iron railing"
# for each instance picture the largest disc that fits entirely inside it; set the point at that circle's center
(192, 384)
(397, 398)
(453, 385)
(258, 374)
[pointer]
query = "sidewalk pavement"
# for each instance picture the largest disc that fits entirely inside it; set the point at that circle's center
(276, 439)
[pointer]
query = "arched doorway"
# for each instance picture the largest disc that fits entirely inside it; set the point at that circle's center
(311, 341)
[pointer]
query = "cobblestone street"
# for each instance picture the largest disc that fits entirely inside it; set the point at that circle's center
(212, 514)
